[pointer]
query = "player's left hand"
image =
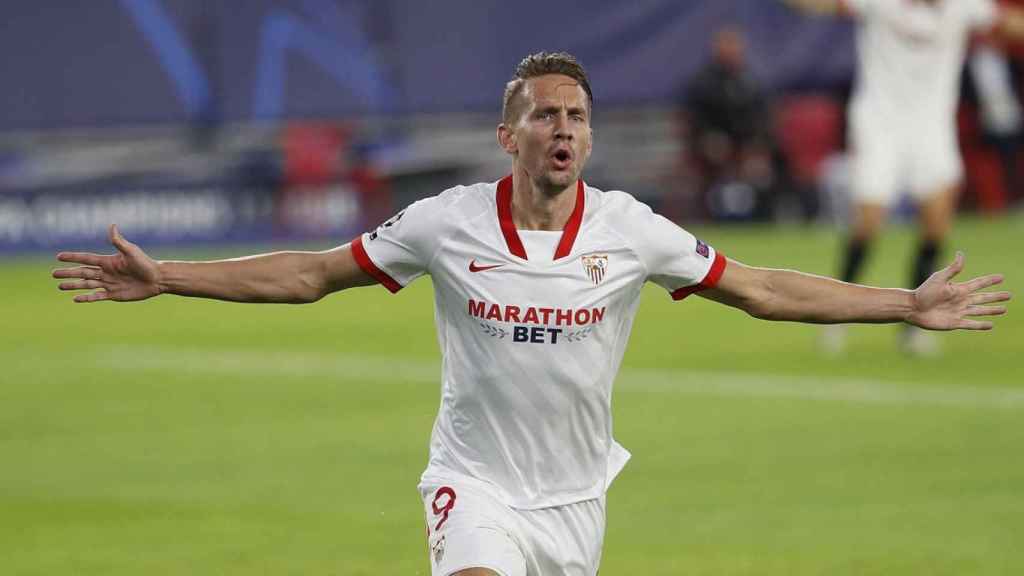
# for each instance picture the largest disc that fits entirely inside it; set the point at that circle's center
(941, 304)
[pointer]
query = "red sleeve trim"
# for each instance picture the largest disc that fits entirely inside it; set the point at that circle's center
(845, 9)
(363, 259)
(709, 281)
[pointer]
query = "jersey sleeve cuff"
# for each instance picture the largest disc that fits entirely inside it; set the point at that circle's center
(709, 281)
(363, 259)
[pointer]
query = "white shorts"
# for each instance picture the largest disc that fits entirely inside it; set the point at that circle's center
(893, 155)
(469, 528)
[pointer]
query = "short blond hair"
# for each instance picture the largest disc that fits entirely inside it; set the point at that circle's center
(541, 64)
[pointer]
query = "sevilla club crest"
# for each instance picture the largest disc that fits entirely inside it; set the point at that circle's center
(595, 265)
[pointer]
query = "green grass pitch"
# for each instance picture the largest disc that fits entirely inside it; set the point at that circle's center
(180, 436)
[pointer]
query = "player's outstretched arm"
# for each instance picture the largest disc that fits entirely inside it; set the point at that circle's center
(284, 277)
(938, 304)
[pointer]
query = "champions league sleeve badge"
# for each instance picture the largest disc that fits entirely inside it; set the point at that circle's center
(702, 249)
(595, 266)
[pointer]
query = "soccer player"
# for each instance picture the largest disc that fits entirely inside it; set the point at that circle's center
(536, 279)
(902, 119)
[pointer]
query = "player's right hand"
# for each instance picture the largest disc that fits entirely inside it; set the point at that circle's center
(128, 275)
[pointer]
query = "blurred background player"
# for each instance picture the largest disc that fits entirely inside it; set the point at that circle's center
(902, 119)
(997, 126)
(727, 117)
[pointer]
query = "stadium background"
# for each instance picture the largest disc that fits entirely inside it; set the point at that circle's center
(179, 436)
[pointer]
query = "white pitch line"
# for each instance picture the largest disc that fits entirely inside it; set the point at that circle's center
(855, 391)
(720, 384)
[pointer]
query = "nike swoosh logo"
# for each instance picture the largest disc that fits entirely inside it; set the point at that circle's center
(474, 268)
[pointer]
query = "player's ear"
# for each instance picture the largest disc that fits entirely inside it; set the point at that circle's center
(507, 139)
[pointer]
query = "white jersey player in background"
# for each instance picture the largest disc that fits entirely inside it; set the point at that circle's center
(902, 122)
(537, 278)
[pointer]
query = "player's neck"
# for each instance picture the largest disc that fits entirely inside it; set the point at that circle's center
(534, 208)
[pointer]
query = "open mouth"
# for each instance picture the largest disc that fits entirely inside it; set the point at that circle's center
(562, 159)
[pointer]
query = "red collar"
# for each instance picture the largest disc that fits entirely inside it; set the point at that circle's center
(508, 227)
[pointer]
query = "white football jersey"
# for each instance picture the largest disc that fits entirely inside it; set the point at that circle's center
(910, 54)
(531, 342)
